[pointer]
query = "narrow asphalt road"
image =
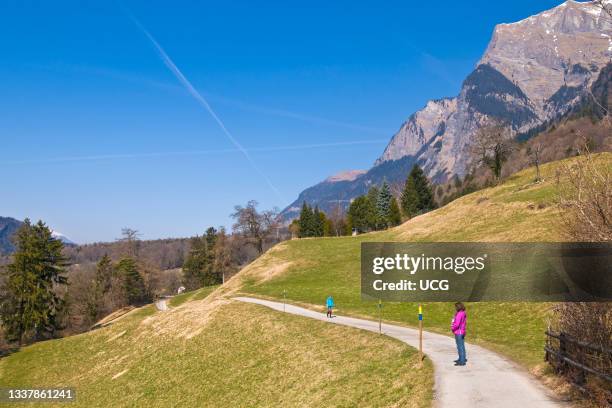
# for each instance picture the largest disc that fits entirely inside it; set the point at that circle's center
(161, 305)
(488, 380)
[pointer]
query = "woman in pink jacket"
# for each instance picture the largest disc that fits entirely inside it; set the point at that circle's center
(458, 328)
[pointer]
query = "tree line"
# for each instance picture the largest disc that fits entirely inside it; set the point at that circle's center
(43, 296)
(376, 210)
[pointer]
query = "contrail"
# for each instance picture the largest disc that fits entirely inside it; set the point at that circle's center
(202, 101)
(246, 106)
(190, 152)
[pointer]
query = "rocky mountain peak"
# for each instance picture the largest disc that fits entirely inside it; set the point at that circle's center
(532, 73)
(540, 53)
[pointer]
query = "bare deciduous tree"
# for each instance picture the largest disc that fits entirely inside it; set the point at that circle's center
(131, 240)
(535, 153)
(585, 199)
(255, 226)
(491, 147)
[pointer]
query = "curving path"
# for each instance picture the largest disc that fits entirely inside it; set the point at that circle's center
(161, 305)
(489, 380)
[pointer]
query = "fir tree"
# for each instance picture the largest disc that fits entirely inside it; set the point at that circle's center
(104, 273)
(195, 264)
(423, 188)
(31, 306)
(395, 217)
(359, 214)
(383, 206)
(202, 268)
(223, 256)
(306, 221)
(211, 274)
(133, 284)
(417, 197)
(211, 241)
(372, 200)
(410, 198)
(100, 287)
(318, 223)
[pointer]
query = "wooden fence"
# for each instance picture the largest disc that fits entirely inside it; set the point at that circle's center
(577, 360)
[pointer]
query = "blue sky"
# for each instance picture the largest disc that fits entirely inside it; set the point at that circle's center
(98, 134)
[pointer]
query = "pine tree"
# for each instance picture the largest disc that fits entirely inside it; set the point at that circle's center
(211, 241)
(372, 201)
(202, 268)
(423, 188)
(383, 206)
(318, 223)
(31, 306)
(410, 198)
(211, 275)
(223, 266)
(359, 214)
(133, 283)
(99, 288)
(306, 221)
(417, 197)
(395, 217)
(104, 273)
(195, 264)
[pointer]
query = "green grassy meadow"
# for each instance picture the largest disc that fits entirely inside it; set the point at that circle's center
(518, 210)
(219, 352)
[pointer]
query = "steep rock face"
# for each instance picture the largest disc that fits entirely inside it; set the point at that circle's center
(419, 129)
(533, 72)
(559, 47)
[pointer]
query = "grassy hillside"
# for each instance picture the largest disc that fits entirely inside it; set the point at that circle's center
(191, 295)
(210, 350)
(518, 210)
(218, 352)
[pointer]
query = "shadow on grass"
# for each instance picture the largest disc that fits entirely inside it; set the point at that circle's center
(7, 351)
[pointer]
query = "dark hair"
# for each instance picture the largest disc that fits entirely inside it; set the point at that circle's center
(459, 306)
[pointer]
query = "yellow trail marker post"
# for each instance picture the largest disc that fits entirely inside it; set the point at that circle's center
(420, 335)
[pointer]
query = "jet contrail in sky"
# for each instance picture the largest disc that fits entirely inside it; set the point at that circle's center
(113, 156)
(202, 101)
(245, 106)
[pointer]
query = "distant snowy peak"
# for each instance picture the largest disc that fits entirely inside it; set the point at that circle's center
(62, 237)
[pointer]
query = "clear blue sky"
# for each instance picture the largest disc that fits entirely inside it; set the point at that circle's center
(97, 133)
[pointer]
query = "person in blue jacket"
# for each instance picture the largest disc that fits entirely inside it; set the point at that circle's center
(330, 305)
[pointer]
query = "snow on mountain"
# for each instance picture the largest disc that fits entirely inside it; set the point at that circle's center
(62, 237)
(533, 72)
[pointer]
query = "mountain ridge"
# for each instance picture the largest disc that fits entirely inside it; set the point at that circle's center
(533, 73)
(8, 227)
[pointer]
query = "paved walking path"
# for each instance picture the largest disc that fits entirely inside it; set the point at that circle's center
(161, 305)
(488, 380)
